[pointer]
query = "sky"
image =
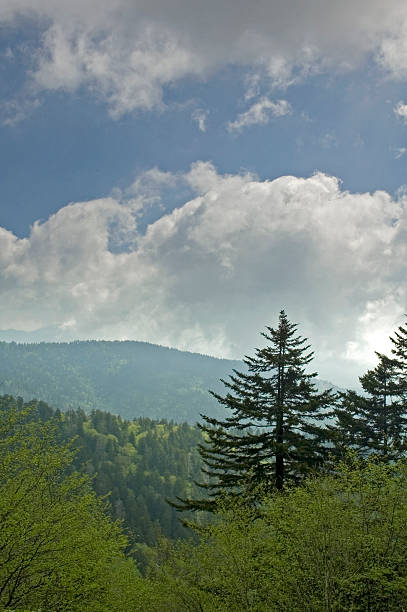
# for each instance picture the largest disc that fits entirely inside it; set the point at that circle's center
(179, 171)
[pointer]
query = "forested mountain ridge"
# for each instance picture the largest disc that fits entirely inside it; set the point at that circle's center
(137, 464)
(128, 378)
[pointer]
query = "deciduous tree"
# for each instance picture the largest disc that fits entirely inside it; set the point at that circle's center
(58, 548)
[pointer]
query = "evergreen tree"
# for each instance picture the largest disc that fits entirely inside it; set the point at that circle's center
(275, 432)
(376, 421)
(399, 349)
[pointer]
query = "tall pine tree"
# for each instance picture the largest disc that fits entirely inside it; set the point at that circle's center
(376, 421)
(276, 431)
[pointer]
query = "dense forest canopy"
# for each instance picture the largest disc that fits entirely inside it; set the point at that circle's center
(59, 550)
(137, 464)
(335, 542)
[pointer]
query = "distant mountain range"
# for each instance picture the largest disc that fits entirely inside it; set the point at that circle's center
(44, 334)
(128, 378)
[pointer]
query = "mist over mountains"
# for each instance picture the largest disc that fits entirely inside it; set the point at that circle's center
(128, 378)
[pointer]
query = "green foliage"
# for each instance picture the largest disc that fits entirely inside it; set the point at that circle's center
(137, 464)
(332, 543)
(274, 432)
(127, 378)
(335, 543)
(58, 548)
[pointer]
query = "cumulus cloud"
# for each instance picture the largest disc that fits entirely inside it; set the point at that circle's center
(209, 275)
(259, 113)
(126, 52)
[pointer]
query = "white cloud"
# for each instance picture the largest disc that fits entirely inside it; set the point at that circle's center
(130, 75)
(15, 111)
(200, 116)
(209, 275)
(127, 51)
(392, 53)
(400, 111)
(259, 113)
(149, 184)
(252, 86)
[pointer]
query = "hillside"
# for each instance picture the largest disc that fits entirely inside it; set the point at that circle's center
(137, 464)
(131, 379)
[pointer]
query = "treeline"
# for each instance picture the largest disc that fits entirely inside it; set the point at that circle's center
(128, 378)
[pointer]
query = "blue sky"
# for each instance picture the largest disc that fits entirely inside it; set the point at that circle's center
(177, 172)
(69, 149)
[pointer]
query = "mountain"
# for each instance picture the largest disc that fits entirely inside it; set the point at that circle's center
(44, 334)
(128, 378)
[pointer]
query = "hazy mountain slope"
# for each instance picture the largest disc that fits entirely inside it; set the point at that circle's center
(127, 378)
